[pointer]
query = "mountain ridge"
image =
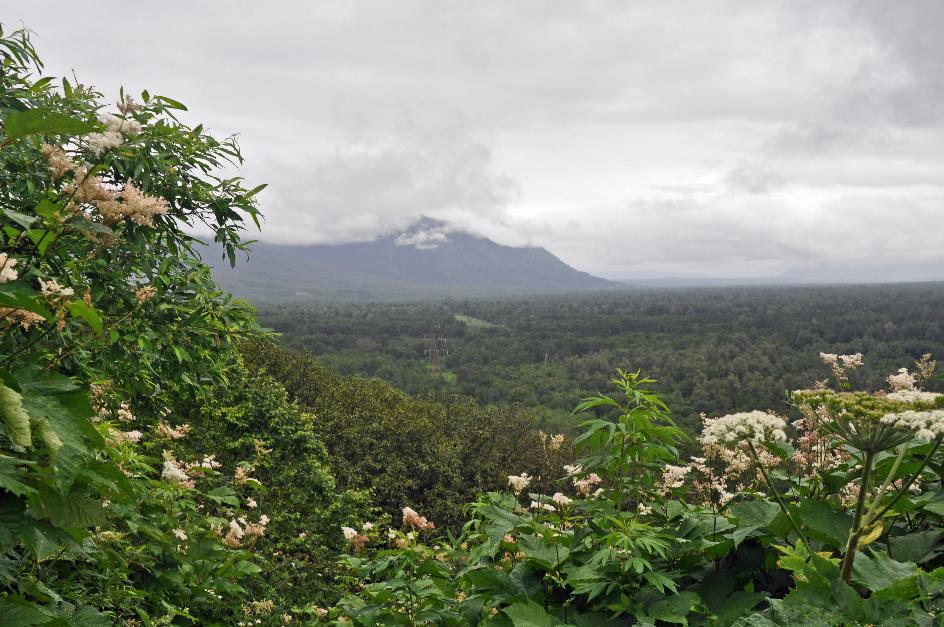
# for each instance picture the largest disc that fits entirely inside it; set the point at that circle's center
(429, 259)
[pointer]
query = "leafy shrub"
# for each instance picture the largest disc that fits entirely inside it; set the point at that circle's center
(821, 521)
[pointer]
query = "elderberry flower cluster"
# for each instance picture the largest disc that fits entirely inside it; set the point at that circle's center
(519, 482)
(412, 519)
(903, 380)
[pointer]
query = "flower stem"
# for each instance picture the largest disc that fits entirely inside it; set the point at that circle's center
(870, 510)
(853, 542)
(911, 480)
(773, 489)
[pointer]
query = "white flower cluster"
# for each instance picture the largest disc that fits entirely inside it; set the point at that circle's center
(755, 426)
(173, 473)
(560, 499)
(673, 477)
(913, 396)
(411, 518)
(52, 289)
(926, 425)
(553, 442)
(904, 380)
(114, 136)
(583, 486)
(547, 507)
(519, 482)
(7, 273)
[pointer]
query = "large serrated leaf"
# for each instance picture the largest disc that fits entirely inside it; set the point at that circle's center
(15, 417)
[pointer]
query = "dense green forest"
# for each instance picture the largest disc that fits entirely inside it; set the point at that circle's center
(711, 350)
(165, 461)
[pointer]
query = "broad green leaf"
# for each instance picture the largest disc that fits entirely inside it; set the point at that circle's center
(878, 571)
(42, 121)
(70, 510)
(824, 523)
(917, 547)
(529, 614)
(674, 609)
(12, 475)
(15, 417)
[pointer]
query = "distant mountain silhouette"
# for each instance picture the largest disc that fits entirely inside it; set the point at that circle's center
(429, 259)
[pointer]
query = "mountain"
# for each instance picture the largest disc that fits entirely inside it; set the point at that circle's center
(429, 259)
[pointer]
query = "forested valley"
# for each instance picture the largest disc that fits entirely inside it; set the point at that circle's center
(711, 350)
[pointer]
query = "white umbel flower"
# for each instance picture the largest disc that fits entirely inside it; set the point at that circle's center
(755, 426)
(927, 425)
(912, 396)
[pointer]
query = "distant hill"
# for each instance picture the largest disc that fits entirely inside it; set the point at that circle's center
(430, 259)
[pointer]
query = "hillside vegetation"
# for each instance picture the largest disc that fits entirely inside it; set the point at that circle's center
(164, 462)
(712, 350)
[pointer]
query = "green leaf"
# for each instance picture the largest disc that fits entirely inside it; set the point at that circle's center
(91, 317)
(255, 190)
(674, 609)
(18, 295)
(15, 417)
(11, 475)
(878, 571)
(42, 238)
(71, 510)
(737, 605)
(171, 103)
(23, 219)
(43, 121)
(529, 614)
(751, 516)
(824, 523)
(917, 547)
(47, 209)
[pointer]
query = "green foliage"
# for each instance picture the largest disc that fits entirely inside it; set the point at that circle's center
(251, 422)
(103, 520)
(712, 349)
(651, 547)
(432, 456)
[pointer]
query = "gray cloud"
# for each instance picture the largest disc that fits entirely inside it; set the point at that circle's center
(668, 137)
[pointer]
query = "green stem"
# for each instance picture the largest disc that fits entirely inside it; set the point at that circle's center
(780, 502)
(853, 542)
(870, 510)
(911, 480)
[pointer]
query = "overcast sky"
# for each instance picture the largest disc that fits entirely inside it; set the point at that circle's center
(629, 138)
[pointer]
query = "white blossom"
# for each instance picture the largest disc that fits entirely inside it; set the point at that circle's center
(519, 482)
(7, 273)
(560, 499)
(927, 425)
(912, 396)
(755, 426)
(904, 380)
(349, 533)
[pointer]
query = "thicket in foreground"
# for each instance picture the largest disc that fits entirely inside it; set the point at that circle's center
(833, 518)
(119, 501)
